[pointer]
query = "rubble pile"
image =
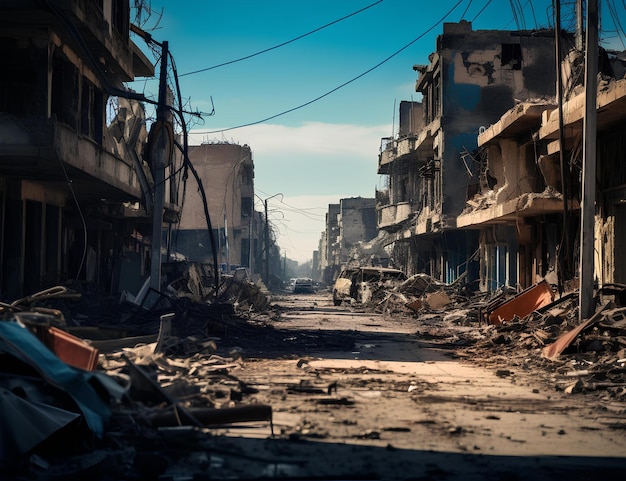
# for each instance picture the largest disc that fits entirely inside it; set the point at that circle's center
(529, 330)
(144, 397)
(63, 421)
(418, 295)
(571, 355)
(104, 408)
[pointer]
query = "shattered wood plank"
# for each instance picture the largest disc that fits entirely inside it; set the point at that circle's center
(142, 382)
(212, 416)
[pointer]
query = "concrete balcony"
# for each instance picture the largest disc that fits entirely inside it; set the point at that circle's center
(392, 215)
(526, 205)
(428, 222)
(105, 34)
(405, 146)
(53, 154)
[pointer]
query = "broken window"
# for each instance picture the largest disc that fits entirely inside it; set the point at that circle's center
(20, 92)
(436, 96)
(65, 91)
(91, 111)
(246, 206)
(245, 252)
(512, 55)
(120, 17)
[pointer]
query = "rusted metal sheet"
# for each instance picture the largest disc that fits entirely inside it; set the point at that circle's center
(71, 349)
(552, 351)
(523, 303)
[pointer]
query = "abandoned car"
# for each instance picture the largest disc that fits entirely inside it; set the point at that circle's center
(303, 284)
(358, 283)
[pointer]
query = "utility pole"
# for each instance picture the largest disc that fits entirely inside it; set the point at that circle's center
(267, 238)
(161, 142)
(267, 245)
(587, 207)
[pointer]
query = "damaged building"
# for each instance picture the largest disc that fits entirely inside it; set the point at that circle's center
(432, 166)
(348, 224)
(227, 173)
(529, 215)
(74, 186)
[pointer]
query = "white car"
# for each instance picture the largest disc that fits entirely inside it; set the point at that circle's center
(303, 284)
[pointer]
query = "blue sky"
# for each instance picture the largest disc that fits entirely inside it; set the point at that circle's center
(328, 149)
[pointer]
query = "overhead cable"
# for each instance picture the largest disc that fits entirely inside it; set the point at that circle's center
(481, 10)
(340, 86)
(281, 44)
(466, 9)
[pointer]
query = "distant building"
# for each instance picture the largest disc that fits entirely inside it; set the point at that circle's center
(348, 224)
(227, 174)
(329, 255)
(357, 223)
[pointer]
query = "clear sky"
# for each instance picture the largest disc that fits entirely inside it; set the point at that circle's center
(338, 68)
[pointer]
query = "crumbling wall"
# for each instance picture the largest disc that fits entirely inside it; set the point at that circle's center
(516, 179)
(358, 222)
(483, 74)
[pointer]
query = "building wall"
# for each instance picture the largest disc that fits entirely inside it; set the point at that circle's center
(65, 188)
(227, 175)
(358, 223)
(483, 74)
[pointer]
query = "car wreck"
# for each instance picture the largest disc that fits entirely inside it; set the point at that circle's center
(358, 283)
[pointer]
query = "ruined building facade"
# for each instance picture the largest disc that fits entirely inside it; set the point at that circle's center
(349, 224)
(432, 166)
(529, 213)
(72, 175)
(227, 173)
(328, 254)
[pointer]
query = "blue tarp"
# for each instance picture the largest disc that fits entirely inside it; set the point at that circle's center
(25, 346)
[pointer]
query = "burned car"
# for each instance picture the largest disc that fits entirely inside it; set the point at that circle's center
(358, 283)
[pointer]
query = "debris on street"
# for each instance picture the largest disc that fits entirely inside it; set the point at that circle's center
(182, 371)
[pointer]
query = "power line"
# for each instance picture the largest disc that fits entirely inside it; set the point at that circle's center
(532, 10)
(297, 210)
(515, 18)
(282, 44)
(613, 11)
(481, 10)
(466, 9)
(340, 86)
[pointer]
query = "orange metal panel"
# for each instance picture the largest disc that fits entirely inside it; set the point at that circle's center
(71, 349)
(523, 304)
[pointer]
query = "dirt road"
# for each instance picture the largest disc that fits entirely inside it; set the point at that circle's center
(360, 395)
